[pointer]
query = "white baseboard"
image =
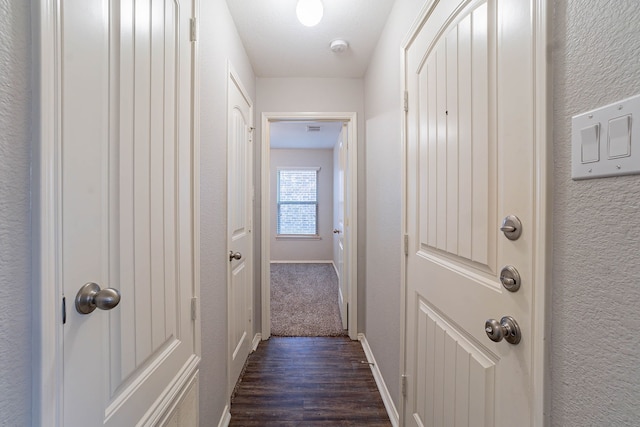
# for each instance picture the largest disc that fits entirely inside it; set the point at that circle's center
(298, 261)
(225, 419)
(382, 387)
(256, 341)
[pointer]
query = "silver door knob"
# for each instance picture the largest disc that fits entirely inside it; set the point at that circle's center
(511, 227)
(234, 255)
(506, 329)
(90, 297)
(336, 231)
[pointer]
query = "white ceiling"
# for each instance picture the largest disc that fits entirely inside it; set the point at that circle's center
(294, 134)
(278, 45)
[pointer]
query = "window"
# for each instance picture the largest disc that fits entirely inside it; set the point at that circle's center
(298, 202)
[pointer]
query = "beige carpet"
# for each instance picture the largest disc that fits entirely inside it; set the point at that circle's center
(304, 301)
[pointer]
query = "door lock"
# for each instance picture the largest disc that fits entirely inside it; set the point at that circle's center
(510, 278)
(506, 329)
(511, 227)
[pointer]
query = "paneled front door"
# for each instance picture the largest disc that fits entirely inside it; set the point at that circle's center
(471, 144)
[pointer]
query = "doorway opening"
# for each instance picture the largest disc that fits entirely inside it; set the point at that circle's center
(309, 193)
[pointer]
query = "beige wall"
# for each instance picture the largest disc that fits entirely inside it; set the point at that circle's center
(595, 300)
(218, 42)
(15, 228)
(384, 194)
(304, 249)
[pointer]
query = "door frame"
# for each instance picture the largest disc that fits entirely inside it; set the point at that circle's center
(352, 215)
(542, 239)
(46, 283)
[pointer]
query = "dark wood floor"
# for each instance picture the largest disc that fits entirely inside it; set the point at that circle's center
(308, 381)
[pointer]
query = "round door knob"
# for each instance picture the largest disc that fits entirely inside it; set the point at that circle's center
(336, 231)
(90, 297)
(506, 329)
(236, 255)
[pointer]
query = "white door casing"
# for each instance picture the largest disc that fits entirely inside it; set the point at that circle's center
(339, 227)
(127, 208)
(239, 224)
(350, 235)
(475, 152)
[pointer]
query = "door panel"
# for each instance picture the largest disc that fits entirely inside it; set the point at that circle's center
(459, 194)
(127, 205)
(240, 211)
(454, 377)
(469, 164)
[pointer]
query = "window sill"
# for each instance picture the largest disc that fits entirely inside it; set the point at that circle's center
(297, 237)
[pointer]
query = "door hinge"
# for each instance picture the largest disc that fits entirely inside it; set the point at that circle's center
(64, 310)
(404, 385)
(194, 308)
(406, 101)
(406, 244)
(193, 29)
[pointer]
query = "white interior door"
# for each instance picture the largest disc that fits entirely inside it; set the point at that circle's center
(470, 162)
(239, 239)
(127, 208)
(338, 230)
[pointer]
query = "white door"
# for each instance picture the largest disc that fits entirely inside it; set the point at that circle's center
(470, 163)
(239, 217)
(338, 229)
(127, 208)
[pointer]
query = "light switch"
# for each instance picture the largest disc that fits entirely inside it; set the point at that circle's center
(604, 141)
(590, 141)
(620, 137)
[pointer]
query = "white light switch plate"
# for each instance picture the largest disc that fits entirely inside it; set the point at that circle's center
(609, 162)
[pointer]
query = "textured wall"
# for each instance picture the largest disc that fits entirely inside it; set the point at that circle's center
(218, 42)
(384, 194)
(15, 230)
(595, 344)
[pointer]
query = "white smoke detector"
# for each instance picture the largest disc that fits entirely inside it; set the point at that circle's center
(339, 46)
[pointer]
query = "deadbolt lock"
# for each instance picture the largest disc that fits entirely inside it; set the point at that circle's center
(510, 278)
(511, 227)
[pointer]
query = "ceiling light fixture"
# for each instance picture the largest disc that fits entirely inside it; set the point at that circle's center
(309, 12)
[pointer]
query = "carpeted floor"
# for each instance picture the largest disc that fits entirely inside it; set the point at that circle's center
(304, 301)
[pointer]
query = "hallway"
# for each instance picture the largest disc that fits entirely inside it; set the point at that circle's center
(307, 381)
(590, 59)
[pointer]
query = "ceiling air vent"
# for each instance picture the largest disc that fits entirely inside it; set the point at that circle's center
(311, 128)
